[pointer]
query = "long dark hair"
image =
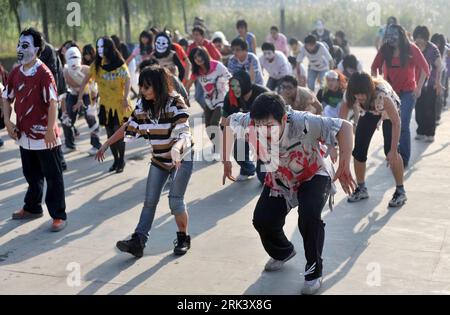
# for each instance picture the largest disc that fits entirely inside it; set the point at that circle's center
(88, 50)
(440, 41)
(111, 54)
(159, 79)
(204, 55)
(362, 83)
(404, 46)
(146, 49)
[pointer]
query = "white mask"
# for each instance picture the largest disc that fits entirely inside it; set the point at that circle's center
(269, 55)
(26, 51)
(73, 58)
(162, 44)
(320, 27)
(101, 47)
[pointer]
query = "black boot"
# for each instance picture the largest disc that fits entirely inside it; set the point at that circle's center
(135, 246)
(113, 168)
(182, 244)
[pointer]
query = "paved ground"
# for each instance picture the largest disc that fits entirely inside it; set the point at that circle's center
(369, 249)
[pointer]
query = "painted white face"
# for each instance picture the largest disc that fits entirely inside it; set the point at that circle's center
(162, 44)
(320, 27)
(101, 47)
(73, 57)
(26, 51)
(269, 55)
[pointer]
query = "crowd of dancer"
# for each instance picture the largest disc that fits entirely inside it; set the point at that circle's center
(289, 131)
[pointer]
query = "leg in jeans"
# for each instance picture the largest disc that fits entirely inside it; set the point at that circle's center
(94, 127)
(35, 178)
(155, 183)
(408, 102)
(200, 95)
(313, 197)
(269, 219)
(68, 129)
(312, 78)
(180, 181)
(242, 157)
(52, 169)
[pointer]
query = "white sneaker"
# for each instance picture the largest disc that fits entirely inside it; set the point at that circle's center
(243, 178)
(275, 265)
(429, 139)
(312, 287)
(67, 150)
(92, 151)
(420, 137)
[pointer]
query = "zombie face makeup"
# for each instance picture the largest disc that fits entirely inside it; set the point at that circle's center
(269, 55)
(162, 44)
(101, 47)
(236, 87)
(26, 51)
(320, 27)
(392, 37)
(73, 57)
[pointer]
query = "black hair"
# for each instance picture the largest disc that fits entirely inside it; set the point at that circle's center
(112, 55)
(404, 46)
(204, 55)
(350, 61)
(242, 24)
(268, 46)
(440, 41)
(310, 39)
(239, 42)
(158, 78)
(88, 50)
(217, 40)
(199, 30)
(148, 63)
(275, 28)
(361, 83)
(68, 44)
(38, 39)
(289, 79)
(183, 42)
(117, 41)
(268, 104)
(146, 49)
(421, 31)
(393, 18)
(293, 41)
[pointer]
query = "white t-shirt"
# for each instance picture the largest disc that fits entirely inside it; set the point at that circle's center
(320, 61)
(278, 68)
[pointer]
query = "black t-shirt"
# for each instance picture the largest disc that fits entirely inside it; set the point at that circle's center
(330, 98)
(243, 106)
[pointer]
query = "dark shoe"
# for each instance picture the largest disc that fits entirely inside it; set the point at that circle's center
(25, 215)
(113, 168)
(182, 244)
(121, 167)
(134, 246)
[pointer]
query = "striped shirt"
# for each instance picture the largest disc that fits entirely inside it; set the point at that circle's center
(162, 132)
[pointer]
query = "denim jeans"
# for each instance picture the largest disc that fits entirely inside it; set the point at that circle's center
(200, 95)
(408, 100)
(312, 78)
(157, 178)
(242, 157)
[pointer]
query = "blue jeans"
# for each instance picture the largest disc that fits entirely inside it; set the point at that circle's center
(200, 95)
(157, 178)
(408, 100)
(312, 78)
(248, 168)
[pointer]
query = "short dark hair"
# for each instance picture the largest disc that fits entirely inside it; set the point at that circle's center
(199, 30)
(183, 42)
(289, 79)
(148, 63)
(293, 41)
(239, 42)
(275, 28)
(310, 39)
(350, 61)
(38, 39)
(241, 23)
(268, 46)
(268, 104)
(422, 31)
(217, 40)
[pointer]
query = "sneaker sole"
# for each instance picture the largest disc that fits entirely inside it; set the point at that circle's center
(180, 253)
(355, 201)
(126, 250)
(59, 229)
(398, 206)
(293, 254)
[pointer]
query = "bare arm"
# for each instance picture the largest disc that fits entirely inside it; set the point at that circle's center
(11, 128)
(50, 136)
(343, 174)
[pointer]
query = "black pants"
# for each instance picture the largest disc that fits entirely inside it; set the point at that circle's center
(68, 129)
(38, 165)
(426, 112)
(270, 217)
(367, 125)
(117, 149)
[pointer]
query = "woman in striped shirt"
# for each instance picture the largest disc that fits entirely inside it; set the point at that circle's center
(161, 117)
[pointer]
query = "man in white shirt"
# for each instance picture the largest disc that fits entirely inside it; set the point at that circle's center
(275, 63)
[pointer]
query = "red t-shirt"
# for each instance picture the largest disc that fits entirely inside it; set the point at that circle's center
(32, 95)
(212, 50)
(402, 79)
